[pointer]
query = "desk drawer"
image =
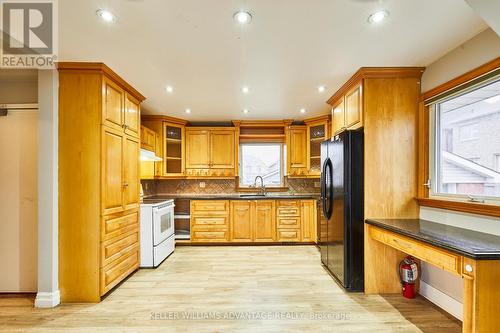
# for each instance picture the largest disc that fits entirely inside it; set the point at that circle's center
(428, 253)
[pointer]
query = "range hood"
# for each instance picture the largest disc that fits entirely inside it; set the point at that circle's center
(149, 156)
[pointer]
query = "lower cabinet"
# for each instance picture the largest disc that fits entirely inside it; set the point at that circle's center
(253, 221)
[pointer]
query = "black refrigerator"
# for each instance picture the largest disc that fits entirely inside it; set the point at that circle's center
(340, 213)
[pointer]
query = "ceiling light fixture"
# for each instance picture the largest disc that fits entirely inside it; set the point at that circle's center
(245, 111)
(106, 16)
(187, 110)
(169, 89)
(245, 89)
(321, 89)
(242, 17)
(378, 16)
(302, 110)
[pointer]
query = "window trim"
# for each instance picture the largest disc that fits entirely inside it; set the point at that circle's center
(426, 151)
(282, 186)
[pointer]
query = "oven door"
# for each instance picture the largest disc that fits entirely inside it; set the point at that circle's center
(163, 223)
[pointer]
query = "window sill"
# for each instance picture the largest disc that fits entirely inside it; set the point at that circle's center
(461, 206)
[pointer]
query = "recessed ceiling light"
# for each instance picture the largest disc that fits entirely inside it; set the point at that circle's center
(245, 89)
(245, 111)
(302, 110)
(106, 16)
(169, 89)
(321, 89)
(242, 17)
(378, 16)
(187, 110)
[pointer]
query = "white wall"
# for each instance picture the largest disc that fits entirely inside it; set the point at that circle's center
(48, 284)
(441, 287)
(18, 86)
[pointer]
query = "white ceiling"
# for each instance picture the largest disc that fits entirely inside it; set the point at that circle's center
(289, 49)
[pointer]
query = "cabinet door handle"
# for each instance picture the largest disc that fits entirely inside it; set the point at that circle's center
(125, 184)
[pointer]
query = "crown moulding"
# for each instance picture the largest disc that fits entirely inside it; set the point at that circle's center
(103, 69)
(376, 73)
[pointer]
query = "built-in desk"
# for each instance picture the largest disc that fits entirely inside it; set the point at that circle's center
(472, 255)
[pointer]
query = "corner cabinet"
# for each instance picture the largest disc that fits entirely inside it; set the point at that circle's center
(99, 144)
(210, 152)
(304, 147)
(170, 146)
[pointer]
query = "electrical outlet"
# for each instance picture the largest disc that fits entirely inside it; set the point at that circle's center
(202, 184)
(317, 184)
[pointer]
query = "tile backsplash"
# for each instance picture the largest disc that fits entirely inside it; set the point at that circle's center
(216, 186)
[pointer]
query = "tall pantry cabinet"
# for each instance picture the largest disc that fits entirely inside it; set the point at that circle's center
(99, 180)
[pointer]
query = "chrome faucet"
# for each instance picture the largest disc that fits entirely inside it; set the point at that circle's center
(262, 187)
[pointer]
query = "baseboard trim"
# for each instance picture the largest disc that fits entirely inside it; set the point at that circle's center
(47, 299)
(445, 302)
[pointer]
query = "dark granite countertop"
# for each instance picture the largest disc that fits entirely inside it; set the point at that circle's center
(235, 196)
(469, 243)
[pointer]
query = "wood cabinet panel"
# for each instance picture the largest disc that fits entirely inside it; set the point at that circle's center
(354, 108)
(148, 139)
(112, 171)
(264, 221)
(132, 116)
(114, 248)
(113, 226)
(115, 272)
(210, 235)
(308, 216)
(210, 207)
(241, 221)
(298, 147)
(112, 113)
(222, 149)
(338, 117)
(197, 149)
(288, 235)
(131, 175)
(209, 221)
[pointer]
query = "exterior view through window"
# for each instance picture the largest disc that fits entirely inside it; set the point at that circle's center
(468, 143)
(262, 159)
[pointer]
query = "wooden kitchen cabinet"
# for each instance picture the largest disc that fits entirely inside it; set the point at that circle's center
(347, 109)
(308, 214)
(338, 116)
(197, 149)
(210, 221)
(148, 139)
(297, 150)
(98, 180)
(318, 129)
(242, 221)
(265, 221)
(210, 152)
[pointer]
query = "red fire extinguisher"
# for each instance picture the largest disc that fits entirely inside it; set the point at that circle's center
(408, 272)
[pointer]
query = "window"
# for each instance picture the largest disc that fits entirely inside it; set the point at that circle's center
(261, 159)
(465, 136)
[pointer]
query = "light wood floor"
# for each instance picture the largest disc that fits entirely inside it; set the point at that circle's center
(231, 281)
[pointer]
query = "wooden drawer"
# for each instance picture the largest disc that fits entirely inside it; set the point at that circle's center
(289, 222)
(210, 207)
(288, 210)
(435, 256)
(209, 236)
(114, 248)
(115, 272)
(113, 226)
(288, 235)
(209, 221)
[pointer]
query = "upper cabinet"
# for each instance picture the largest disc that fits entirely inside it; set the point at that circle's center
(304, 147)
(347, 110)
(132, 116)
(297, 150)
(170, 146)
(210, 152)
(198, 149)
(148, 139)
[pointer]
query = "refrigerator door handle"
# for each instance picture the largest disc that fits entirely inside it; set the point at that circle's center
(327, 197)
